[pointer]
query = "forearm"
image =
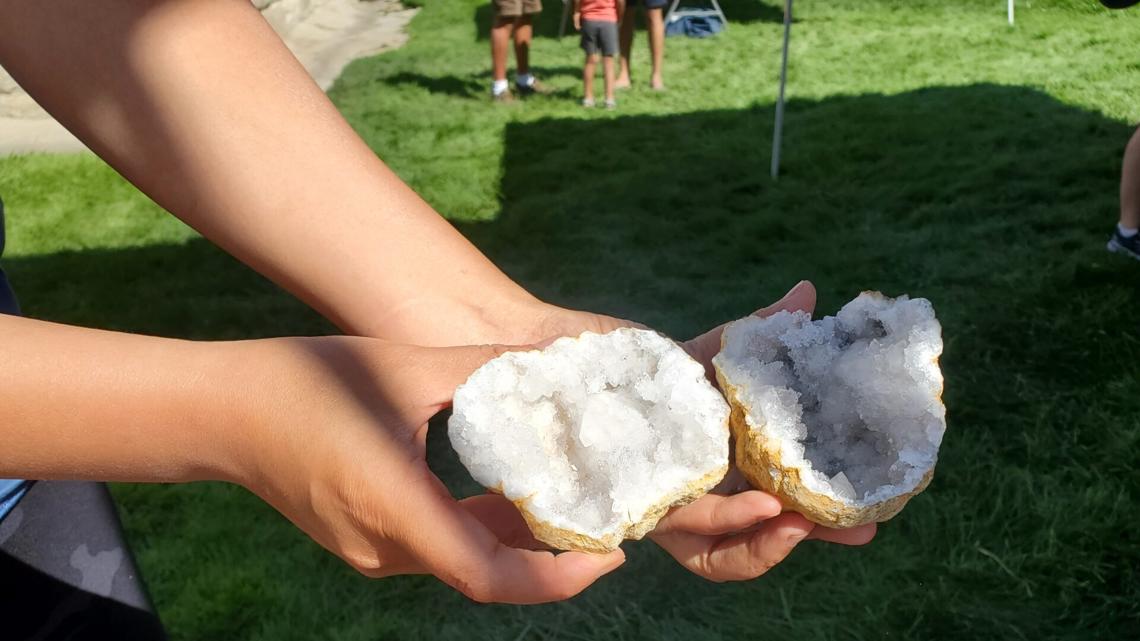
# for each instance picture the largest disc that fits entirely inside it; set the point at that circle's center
(86, 404)
(199, 104)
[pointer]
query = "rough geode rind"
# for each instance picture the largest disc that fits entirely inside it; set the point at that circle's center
(841, 418)
(593, 438)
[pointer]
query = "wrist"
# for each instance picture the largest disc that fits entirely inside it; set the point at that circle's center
(234, 418)
(501, 316)
(273, 394)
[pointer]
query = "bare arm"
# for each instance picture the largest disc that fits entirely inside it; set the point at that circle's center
(328, 430)
(80, 403)
(200, 105)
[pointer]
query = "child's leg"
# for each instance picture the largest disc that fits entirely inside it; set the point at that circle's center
(588, 76)
(608, 72)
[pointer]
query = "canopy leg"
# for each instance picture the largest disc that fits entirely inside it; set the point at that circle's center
(779, 130)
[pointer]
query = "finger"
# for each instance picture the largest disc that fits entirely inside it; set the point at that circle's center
(715, 514)
(739, 557)
(860, 535)
(799, 298)
(503, 519)
(456, 547)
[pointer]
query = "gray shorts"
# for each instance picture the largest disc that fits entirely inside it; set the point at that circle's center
(600, 36)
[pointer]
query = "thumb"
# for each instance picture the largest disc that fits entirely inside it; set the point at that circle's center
(799, 298)
(705, 346)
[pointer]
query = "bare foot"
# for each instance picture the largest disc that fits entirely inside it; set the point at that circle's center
(656, 83)
(622, 82)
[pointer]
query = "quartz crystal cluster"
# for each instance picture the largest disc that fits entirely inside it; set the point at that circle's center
(594, 438)
(841, 417)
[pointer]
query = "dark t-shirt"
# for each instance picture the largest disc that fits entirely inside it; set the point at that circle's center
(10, 490)
(7, 298)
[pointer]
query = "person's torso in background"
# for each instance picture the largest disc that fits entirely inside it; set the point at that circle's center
(599, 10)
(10, 489)
(7, 298)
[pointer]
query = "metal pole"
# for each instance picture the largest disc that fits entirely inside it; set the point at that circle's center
(1009, 12)
(777, 134)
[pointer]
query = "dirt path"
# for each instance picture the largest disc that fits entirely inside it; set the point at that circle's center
(325, 35)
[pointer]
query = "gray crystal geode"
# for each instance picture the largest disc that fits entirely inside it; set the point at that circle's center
(841, 417)
(593, 438)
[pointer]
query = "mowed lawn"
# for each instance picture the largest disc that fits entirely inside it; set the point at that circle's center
(931, 149)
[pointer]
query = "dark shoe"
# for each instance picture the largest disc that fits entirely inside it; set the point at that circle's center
(533, 88)
(503, 97)
(1127, 246)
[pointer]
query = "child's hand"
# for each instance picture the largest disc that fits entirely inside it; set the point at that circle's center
(577, 21)
(338, 444)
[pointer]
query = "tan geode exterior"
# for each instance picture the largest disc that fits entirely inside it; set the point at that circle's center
(563, 539)
(758, 459)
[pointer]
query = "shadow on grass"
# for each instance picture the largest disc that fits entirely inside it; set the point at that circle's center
(994, 202)
(192, 290)
(546, 24)
(474, 86)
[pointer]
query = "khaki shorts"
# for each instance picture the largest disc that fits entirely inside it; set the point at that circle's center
(514, 8)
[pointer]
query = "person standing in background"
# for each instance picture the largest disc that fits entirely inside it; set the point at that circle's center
(655, 22)
(513, 18)
(1126, 238)
(598, 22)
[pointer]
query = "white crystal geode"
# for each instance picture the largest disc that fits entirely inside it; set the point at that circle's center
(841, 417)
(594, 438)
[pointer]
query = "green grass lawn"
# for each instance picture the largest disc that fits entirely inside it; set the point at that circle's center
(930, 149)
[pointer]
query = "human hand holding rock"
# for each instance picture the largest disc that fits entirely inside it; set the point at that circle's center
(721, 537)
(339, 447)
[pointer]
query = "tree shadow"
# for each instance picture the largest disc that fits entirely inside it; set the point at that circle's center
(981, 198)
(992, 201)
(192, 290)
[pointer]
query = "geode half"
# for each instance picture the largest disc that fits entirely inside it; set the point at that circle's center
(593, 438)
(841, 418)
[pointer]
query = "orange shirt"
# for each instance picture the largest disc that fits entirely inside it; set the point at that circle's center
(599, 10)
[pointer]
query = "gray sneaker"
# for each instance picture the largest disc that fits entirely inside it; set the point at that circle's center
(1128, 246)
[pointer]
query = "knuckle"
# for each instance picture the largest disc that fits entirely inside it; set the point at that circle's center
(478, 592)
(367, 563)
(720, 516)
(760, 567)
(473, 586)
(703, 566)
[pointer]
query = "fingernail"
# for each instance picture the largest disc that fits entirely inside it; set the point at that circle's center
(619, 558)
